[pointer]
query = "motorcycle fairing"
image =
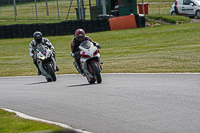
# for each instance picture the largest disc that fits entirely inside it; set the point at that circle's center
(44, 56)
(89, 53)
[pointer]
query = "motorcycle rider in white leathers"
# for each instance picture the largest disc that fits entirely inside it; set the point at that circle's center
(36, 42)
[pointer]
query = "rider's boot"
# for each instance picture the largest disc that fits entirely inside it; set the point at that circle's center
(81, 70)
(77, 66)
(57, 69)
(101, 66)
(39, 72)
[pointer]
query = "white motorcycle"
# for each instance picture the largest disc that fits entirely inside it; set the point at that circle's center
(90, 62)
(46, 63)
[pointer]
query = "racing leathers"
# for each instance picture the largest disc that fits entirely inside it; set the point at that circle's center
(32, 50)
(75, 53)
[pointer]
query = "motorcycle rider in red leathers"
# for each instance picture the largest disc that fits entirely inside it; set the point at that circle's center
(79, 37)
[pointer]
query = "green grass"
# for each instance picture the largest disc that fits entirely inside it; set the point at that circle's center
(169, 18)
(150, 1)
(162, 49)
(10, 123)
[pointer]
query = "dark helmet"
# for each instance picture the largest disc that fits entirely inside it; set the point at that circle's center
(80, 34)
(37, 36)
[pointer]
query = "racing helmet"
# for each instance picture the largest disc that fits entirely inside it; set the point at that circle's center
(80, 34)
(37, 36)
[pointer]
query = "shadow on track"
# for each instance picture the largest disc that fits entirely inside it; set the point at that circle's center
(80, 85)
(38, 83)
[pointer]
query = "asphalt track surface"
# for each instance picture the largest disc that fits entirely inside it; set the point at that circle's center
(123, 103)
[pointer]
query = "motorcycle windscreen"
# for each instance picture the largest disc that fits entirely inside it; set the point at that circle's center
(86, 44)
(41, 48)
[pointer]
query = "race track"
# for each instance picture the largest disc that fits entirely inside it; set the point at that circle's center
(123, 103)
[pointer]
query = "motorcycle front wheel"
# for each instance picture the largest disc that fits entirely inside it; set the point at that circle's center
(51, 72)
(96, 71)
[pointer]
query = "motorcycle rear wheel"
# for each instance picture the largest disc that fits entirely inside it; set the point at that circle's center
(96, 71)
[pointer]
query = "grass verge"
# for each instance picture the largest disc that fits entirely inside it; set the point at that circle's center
(169, 19)
(10, 123)
(163, 49)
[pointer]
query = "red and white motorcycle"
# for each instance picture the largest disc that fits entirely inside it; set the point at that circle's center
(90, 62)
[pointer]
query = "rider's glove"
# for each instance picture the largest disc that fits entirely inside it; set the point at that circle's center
(94, 43)
(48, 44)
(34, 57)
(53, 50)
(98, 46)
(76, 55)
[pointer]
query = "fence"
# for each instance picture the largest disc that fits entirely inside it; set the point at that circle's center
(62, 9)
(41, 9)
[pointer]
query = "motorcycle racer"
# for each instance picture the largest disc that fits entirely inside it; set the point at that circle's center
(36, 42)
(78, 38)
